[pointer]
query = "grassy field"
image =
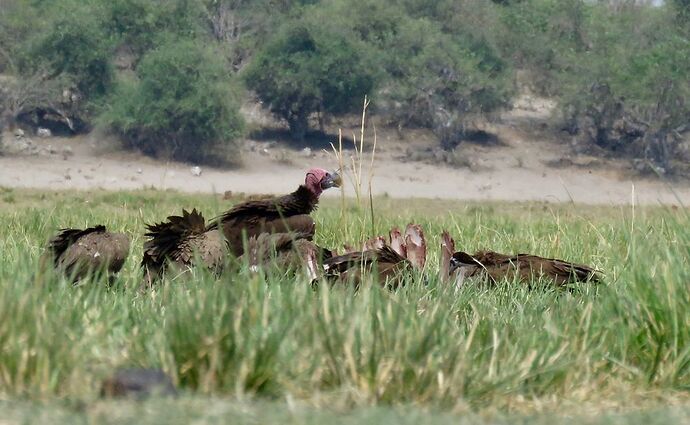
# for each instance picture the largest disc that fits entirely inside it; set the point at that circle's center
(275, 350)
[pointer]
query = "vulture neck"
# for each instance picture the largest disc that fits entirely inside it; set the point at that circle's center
(301, 201)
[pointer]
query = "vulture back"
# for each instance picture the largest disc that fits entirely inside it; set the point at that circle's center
(80, 252)
(289, 213)
(496, 266)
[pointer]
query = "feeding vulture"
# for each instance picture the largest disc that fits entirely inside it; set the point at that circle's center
(390, 260)
(492, 267)
(77, 253)
(286, 251)
(288, 213)
(179, 241)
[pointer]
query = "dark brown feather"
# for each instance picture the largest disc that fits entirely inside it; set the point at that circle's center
(180, 240)
(79, 252)
(286, 251)
(389, 266)
(493, 267)
(288, 213)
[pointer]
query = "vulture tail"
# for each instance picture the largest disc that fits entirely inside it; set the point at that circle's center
(578, 272)
(165, 237)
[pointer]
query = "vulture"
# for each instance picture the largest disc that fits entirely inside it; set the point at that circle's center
(179, 241)
(286, 251)
(492, 267)
(391, 260)
(78, 252)
(288, 213)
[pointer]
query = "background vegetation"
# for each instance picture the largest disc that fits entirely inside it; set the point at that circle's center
(622, 343)
(619, 69)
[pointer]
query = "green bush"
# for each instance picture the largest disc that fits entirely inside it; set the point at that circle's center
(182, 105)
(140, 23)
(308, 67)
(630, 93)
(73, 43)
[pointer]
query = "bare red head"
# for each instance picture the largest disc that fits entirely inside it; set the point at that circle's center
(318, 179)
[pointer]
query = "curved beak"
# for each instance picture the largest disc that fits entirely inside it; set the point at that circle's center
(333, 179)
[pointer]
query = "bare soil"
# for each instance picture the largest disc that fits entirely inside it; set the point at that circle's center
(531, 163)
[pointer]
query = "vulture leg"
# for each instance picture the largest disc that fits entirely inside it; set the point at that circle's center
(398, 242)
(447, 250)
(416, 245)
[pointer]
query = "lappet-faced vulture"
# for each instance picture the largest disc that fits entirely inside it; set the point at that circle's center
(286, 251)
(180, 241)
(390, 260)
(491, 267)
(78, 252)
(284, 214)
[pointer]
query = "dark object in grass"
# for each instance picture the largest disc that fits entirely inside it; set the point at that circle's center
(288, 213)
(78, 253)
(179, 241)
(492, 267)
(138, 383)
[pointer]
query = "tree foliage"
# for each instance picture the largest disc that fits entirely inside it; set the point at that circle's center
(307, 68)
(182, 104)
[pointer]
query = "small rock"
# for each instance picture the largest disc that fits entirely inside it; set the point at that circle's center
(139, 171)
(264, 151)
(44, 132)
(227, 195)
(138, 383)
(307, 152)
(196, 171)
(19, 133)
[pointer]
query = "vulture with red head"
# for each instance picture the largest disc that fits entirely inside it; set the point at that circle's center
(284, 214)
(491, 267)
(390, 260)
(78, 253)
(179, 241)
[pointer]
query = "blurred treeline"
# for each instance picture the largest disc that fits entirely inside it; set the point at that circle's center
(168, 76)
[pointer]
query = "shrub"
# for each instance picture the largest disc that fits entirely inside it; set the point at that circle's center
(139, 23)
(634, 98)
(182, 104)
(437, 81)
(72, 43)
(307, 68)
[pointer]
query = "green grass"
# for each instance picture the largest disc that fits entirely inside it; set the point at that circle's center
(250, 340)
